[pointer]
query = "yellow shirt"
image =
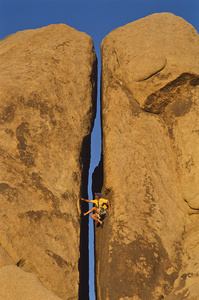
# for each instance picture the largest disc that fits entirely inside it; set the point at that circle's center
(102, 203)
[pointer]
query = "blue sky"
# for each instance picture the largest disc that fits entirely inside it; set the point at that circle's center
(97, 18)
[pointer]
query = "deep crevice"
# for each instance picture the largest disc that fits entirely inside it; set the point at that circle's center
(85, 158)
(94, 171)
(83, 261)
(97, 177)
(97, 184)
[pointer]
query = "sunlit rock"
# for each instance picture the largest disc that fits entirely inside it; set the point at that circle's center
(150, 110)
(47, 107)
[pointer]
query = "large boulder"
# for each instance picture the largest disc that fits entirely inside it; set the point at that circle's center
(47, 108)
(150, 110)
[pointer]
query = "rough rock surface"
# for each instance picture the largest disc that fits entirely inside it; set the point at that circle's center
(22, 286)
(148, 248)
(47, 106)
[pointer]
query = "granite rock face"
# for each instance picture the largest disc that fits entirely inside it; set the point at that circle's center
(47, 107)
(22, 285)
(148, 248)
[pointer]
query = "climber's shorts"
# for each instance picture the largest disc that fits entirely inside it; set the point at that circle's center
(103, 212)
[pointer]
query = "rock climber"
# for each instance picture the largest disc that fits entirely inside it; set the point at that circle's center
(100, 210)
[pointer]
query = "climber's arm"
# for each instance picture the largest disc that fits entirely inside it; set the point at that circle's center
(86, 200)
